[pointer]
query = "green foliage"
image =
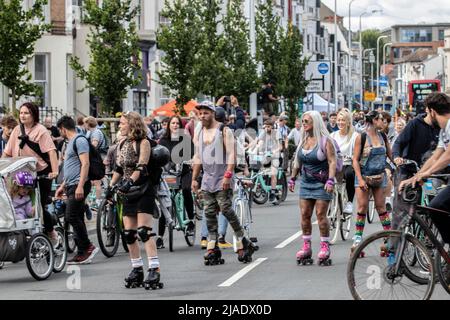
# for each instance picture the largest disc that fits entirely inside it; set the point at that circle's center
(19, 31)
(180, 42)
(268, 40)
(240, 77)
(292, 83)
(114, 52)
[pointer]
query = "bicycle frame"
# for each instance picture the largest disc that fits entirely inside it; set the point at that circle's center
(178, 198)
(259, 179)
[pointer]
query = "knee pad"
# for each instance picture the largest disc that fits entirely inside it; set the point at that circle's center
(130, 236)
(145, 233)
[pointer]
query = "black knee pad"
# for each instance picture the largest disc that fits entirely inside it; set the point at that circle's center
(145, 233)
(130, 236)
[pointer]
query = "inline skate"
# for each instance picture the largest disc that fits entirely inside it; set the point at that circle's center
(304, 256)
(153, 279)
(246, 251)
(323, 256)
(213, 255)
(135, 279)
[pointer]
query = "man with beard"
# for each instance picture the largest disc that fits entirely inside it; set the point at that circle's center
(215, 153)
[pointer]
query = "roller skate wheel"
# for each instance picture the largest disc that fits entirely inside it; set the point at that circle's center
(147, 287)
(206, 262)
(256, 248)
(222, 261)
(161, 285)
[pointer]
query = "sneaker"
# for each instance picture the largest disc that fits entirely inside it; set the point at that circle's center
(88, 212)
(84, 258)
(272, 197)
(348, 208)
(190, 229)
(223, 244)
(159, 243)
(204, 243)
(1, 264)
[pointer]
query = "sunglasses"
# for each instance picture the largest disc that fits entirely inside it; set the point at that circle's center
(304, 121)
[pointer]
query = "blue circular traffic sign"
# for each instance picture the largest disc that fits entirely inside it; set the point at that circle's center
(323, 68)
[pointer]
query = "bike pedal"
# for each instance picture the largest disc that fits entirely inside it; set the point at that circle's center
(254, 239)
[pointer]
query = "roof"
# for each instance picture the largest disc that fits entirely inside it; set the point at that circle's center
(437, 25)
(418, 56)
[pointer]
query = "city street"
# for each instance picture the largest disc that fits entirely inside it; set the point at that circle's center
(274, 276)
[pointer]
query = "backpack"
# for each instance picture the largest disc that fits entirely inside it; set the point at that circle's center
(96, 166)
(104, 145)
(339, 156)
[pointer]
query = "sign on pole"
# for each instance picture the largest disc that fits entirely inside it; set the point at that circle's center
(319, 75)
(369, 96)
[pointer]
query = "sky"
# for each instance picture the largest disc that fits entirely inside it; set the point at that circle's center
(394, 12)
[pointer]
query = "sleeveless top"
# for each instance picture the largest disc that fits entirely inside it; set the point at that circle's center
(213, 158)
(314, 169)
(373, 160)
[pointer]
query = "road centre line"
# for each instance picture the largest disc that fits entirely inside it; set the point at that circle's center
(291, 238)
(242, 273)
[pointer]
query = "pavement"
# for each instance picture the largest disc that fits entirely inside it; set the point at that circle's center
(273, 274)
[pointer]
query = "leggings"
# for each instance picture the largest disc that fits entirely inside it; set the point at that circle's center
(349, 175)
(45, 188)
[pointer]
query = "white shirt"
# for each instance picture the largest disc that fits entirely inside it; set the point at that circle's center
(295, 135)
(444, 137)
(346, 145)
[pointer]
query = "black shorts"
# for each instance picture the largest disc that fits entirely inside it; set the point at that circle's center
(144, 204)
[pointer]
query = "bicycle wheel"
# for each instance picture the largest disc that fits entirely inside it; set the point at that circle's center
(172, 226)
(334, 218)
(108, 234)
(60, 251)
(346, 218)
(239, 209)
(443, 272)
(71, 244)
(39, 257)
(372, 209)
(260, 196)
(373, 277)
(284, 190)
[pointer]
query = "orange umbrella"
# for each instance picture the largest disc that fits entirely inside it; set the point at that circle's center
(167, 109)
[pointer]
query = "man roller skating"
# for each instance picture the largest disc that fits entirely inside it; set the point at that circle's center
(215, 153)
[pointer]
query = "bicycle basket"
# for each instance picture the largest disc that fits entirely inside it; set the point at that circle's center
(255, 162)
(173, 181)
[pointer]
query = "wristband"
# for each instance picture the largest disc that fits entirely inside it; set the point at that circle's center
(292, 182)
(228, 175)
(330, 182)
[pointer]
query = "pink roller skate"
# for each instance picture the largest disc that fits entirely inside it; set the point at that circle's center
(305, 254)
(324, 254)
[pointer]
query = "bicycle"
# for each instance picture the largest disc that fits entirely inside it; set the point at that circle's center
(242, 208)
(340, 222)
(262, 182)
(180, 220)
(399, 245)
(110, 224)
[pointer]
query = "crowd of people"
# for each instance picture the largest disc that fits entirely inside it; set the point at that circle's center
(365, 150)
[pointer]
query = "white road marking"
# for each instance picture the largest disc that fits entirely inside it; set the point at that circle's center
(291, 238)
(242, 273)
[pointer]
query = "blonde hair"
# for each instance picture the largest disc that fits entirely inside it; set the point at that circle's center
(138, 129)
(319, 128)
(348, 117)
(91, 122)
(14, 190)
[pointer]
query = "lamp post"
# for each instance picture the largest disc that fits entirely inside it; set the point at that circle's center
(363, 69)
(378, 64)
(350, 91)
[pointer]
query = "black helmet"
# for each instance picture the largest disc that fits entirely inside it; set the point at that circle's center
(160, 156)
(221, 115)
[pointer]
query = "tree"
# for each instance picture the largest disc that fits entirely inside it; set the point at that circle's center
(114, 52)
(19, 31)
(180, 42)
(292, 83)
(240, 77)
(268, 33)
(210, 69)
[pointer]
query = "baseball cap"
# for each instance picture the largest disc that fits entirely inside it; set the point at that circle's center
(206, 105)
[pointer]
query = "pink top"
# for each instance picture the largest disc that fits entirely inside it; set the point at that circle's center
(38, 134)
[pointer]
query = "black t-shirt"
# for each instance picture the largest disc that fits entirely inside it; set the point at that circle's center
(267, 91)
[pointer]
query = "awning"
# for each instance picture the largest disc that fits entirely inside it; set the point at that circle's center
(167, 109)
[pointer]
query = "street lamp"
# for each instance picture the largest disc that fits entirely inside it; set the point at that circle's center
(384, 63)
(360, 49)
(363, 69)
(350, 55)
(378, 64)
(336, 105)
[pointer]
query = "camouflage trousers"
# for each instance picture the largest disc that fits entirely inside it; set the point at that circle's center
(220, 201)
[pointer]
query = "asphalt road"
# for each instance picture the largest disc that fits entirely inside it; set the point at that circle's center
(274, 274)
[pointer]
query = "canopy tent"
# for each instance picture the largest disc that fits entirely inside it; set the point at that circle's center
(167, 109)
(317, 103)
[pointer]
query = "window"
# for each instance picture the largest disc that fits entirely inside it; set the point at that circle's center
(163, 21)
(441, 35)
(164, 96)
(140, 102)
(28, 4)
(416, 35)
(41, 78)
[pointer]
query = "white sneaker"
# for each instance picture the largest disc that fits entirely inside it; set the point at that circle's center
(348, 208)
